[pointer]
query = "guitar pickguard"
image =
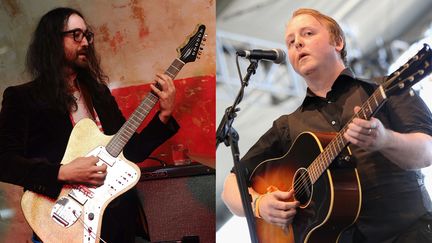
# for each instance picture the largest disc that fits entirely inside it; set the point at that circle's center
(75, 226)
(67, 209)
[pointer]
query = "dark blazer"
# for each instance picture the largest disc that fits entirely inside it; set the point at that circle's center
(34, 135)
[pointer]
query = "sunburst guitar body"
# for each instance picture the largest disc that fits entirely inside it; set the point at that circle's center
(327, 206)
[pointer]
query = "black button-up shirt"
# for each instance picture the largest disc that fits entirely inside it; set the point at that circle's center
(392, 198)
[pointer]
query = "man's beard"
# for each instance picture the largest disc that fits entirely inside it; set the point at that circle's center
(79, 61)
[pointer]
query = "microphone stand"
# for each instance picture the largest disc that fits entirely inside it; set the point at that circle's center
(227, 134)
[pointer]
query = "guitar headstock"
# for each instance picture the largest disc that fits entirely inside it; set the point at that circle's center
(189, 51)
(413, 71)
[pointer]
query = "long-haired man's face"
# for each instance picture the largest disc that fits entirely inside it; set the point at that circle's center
(75, 51)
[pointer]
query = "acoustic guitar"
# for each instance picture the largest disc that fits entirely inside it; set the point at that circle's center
(76, 215)
(319, 169)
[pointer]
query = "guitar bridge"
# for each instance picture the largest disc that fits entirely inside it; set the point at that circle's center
(66, 212)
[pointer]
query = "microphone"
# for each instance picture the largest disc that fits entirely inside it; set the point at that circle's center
(275, 55)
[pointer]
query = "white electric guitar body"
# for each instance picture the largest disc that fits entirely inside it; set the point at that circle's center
(76, 216)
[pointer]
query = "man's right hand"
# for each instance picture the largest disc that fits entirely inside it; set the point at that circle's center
(83, 170)
(275, 208)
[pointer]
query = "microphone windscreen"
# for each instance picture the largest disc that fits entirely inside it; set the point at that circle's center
(281, 56)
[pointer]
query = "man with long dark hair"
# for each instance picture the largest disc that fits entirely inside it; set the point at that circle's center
(37, 118)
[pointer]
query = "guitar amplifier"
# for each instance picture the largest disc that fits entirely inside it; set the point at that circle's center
(179, 203)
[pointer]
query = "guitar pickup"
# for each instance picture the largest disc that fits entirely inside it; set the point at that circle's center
(81, 194)
(105, 157)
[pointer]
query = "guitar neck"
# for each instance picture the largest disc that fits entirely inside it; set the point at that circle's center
(338, 143)
(117, 143)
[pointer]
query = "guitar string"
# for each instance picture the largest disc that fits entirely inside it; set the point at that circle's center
(316, 165)
(154, 99)
(188, 46)
(305, 184)
(149, 101)
(302, 183)
(313, 165)
(314, 169)
(92, 234)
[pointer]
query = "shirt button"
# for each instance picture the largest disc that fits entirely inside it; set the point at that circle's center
(333, 122)
(329, 102)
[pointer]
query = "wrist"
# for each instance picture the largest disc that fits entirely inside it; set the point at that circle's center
(388, 141)
(62, 174)
(164, 116)
(256, 204)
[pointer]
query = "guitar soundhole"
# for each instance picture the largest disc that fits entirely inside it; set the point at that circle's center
(302, 187)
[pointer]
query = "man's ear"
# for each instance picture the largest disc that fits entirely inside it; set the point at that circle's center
(339, 43)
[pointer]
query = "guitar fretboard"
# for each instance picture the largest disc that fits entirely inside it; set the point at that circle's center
(338, 143)
(417, 68)
(117, 143)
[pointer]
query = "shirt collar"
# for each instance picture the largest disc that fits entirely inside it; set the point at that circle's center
(341, 81)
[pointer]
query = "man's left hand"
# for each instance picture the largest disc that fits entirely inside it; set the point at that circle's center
(371, 134)
(166, 95)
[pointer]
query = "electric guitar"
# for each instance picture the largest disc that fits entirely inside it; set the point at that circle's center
(317, 167)
(76, 215)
